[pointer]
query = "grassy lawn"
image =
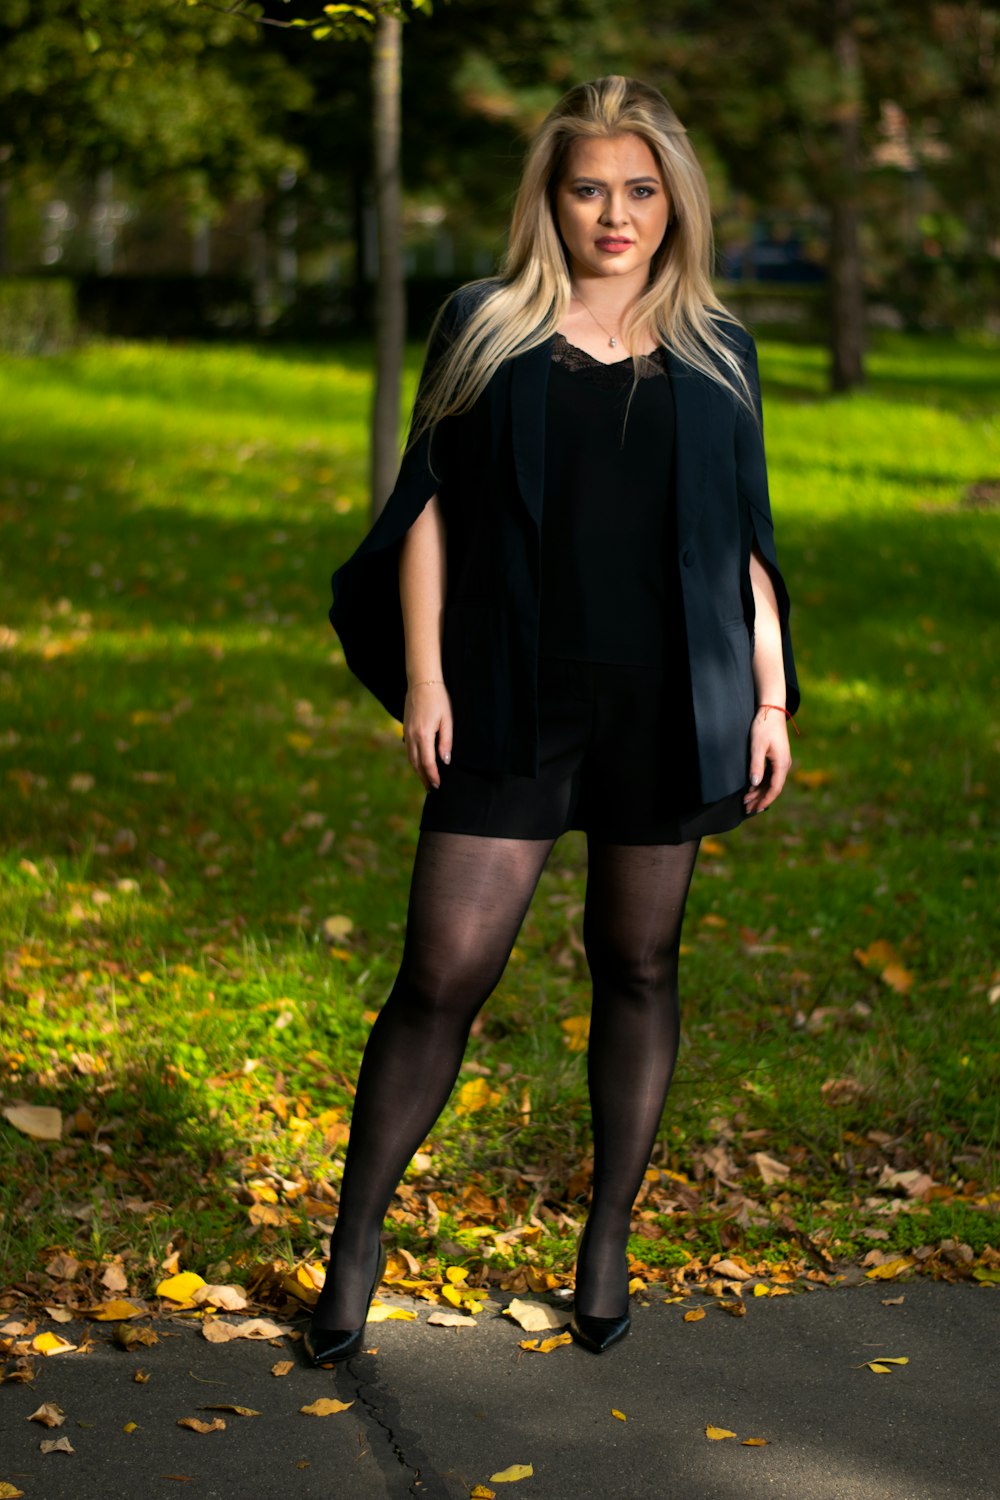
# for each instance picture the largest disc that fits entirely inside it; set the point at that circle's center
(208, 829)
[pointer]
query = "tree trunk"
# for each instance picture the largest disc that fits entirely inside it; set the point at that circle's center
(847, 302)
(390, 294)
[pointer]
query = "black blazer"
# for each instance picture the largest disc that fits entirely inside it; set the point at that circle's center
(487, 467)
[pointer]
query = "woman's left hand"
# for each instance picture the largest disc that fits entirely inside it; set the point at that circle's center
(770, 759)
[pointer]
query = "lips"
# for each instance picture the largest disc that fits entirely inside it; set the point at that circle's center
(614, 242)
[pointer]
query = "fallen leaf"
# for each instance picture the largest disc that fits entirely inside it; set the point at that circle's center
(768, 1168)
(129, 1335)
(49, 1414)
(229, 1298)
(893, 1301)
(115, 1311)
(59, 1314)
(39, 1121)
(114, 1279)
(695, 1315)
(881, 1365)
(336, 929)
(736, 1309)
(718, 1433)
(619, 1414)
(475, 1094)
(890, 1270)
(130, 1427)
(478, 1492)
(56, 1445)
(380, 1312)
(283, 1367)
(219, 1332)
(141, 1377)
(325, 1406)
(755, 1442)
(452, 1320)
(730, 1270)
(195, 1424)
(51, 1343)
(180, 1288)
(239, 1411)
(512, 1472)
(534, 1316)
(9, 1491)
(760, 1290)
(545, 1346)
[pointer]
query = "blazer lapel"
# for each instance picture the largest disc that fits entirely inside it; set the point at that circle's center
(529, 379)
(691, 442)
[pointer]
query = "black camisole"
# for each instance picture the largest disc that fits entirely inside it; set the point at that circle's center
(609, 590)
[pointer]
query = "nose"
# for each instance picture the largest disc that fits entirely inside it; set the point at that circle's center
(615, 213)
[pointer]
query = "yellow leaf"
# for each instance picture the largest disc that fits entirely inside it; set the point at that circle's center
(718, 1433)
(881, 1365)
(755, 1442)
(180, 1287)
(512, 1472)
(141, 1377)
(878, 1369)
(897, 978)
(325, 1406)
(283, 1367)
(619, 1414)
(455, 1274)
(130, 1427)
(890, 1270)
(761, 1291)
(115, 1311)
(9, 1491)
(480, 1492)
(50, 1343)
(475, 1094)
(380, 1313)
(195, 1424)
(36, 1120)
(695, 1315)
(577, 1030)
(812, 778)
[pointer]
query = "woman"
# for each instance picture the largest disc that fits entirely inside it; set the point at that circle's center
(572, 602)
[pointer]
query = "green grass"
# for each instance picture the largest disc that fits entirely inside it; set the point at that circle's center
(192, 783)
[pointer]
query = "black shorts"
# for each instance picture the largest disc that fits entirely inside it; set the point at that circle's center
(617, 758)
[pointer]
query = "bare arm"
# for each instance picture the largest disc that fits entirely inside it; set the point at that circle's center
(770, 755)
(422, 585)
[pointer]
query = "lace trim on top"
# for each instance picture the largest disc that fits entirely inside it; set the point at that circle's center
(612, 375)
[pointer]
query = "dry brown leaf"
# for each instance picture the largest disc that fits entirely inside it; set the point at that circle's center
(325, 1406)
(452, 1320)
(768, 1168)
(219, 1332)
(893, 1301)
(283, 1367)
(718, 1433)
(695, 1315)
(195, 1424)
(56, 1445)
(59, 1314)
(132, 1336)
(229, 1298)
(62, 1267)
(736, 1309)
(141, 1377)
(39, 1121)
(114, 1279)
(731, 1270)
(49, 1414)
(239, 1411)
(533, 1317)
(21, 1372)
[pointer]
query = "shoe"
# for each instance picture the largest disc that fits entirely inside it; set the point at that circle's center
(325, 1345)
(598, 1334)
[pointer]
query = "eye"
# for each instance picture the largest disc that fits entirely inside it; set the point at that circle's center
(650, 191)
(584, 189)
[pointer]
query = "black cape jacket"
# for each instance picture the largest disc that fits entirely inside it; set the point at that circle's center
(488, 467)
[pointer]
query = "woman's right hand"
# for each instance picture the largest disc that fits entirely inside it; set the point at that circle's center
(426, 720)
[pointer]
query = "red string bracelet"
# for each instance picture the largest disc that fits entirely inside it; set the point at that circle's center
(782, 710)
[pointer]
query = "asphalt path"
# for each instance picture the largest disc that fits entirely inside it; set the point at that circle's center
(435, 1411)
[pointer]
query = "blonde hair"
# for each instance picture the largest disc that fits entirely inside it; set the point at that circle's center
(524, 305)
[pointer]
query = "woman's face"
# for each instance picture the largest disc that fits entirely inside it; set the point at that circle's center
(612, 206)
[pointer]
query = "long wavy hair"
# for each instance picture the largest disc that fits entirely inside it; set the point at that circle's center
(523, 306)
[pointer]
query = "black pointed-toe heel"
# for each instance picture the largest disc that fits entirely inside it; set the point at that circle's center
(326, 1345)
(598, 1334)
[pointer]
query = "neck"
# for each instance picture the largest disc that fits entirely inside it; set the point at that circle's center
(609, 297)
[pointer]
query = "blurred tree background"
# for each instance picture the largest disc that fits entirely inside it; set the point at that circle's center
(171, 140)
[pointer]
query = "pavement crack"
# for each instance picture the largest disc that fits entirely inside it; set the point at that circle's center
(407, 1464)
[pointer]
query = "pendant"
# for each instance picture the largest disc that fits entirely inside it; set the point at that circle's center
(614, 343)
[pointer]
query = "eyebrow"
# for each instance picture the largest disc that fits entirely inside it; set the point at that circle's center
(630, 182)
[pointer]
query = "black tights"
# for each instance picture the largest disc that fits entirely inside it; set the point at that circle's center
(468, 897)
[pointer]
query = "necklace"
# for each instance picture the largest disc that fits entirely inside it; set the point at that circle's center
(612, 338)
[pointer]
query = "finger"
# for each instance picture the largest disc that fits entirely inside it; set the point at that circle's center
(429, 773)
(775, 782)
(413, 756)
(445, 738)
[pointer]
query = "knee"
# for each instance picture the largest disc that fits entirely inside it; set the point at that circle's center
(443, 987)
(640, 973)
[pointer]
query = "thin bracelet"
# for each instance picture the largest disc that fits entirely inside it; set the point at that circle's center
(427, 682)
(781, 710)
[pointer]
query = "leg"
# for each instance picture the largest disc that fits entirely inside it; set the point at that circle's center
(632, 927)
(468, 898)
